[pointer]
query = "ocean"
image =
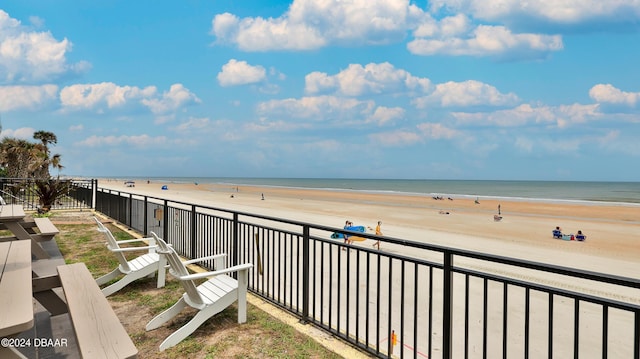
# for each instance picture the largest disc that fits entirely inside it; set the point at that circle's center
(549, 191)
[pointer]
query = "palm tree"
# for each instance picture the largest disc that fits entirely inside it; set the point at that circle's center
(17, 157)
(24, 159)
(43, 159)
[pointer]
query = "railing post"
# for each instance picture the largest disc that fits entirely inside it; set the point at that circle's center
(193, 232)
(447, 305)
(165, 219)
(305, 273)
(234, 237)
(130, 219)
(636, 336)
(94, 193)
(146, 215)
(118, 203)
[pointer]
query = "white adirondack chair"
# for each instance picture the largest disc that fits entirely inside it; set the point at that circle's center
(209, 298)
(146, 265)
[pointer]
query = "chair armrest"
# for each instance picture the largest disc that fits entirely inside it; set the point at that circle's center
(237, 268)
(132, 249)
(136, 240)
(215, 256)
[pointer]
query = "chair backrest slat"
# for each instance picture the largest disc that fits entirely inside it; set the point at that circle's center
(177, 268)
(112, 244)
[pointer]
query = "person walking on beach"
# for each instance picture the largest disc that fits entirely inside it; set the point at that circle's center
(347, 224)
(378, 233)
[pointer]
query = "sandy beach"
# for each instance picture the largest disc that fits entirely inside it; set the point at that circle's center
(612, 245)
(524, 232)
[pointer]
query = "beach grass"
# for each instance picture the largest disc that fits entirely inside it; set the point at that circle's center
(262, 336)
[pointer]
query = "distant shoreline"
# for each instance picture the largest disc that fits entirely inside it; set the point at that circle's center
(600, 195)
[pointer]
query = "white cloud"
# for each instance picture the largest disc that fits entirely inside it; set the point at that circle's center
(436, 131)
(609, 94)
(264, 125)
(484, 40)
(269, 89)
(237, 72)
(258, 34)
(134, 141)
(310, 24)
(358, 80)
(325, 108)
(524, 144)
(396, 138)
(194, 124)
(178, 96)
(559, 116)
(25, 133)
(28, 56)
(566, 11)
(615, 142)
(451, 26)
(383, 115)
(74, 128)
(109, 96)
(467, 93)
(105, 94)
(473, 27)
(423, 133)
(26, 97)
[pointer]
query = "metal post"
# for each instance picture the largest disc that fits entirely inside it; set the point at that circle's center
(94, 193)
(447, 306)
(145, 225)
(130, 219)
(165, 219)
(193, 232)
(236, 231)
(305, 273)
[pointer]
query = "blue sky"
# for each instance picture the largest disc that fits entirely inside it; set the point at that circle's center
(445, 89)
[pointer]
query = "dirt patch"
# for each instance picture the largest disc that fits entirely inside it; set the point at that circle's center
(72, 217)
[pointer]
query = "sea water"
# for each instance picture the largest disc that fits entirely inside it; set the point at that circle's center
(571, 191)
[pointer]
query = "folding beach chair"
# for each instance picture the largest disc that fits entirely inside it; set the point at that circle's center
(209, 298)
(145, 265)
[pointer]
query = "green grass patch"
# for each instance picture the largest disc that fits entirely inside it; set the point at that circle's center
(263, 336)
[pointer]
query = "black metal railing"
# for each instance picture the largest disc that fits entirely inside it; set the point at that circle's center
(21, 191)
(419, 301)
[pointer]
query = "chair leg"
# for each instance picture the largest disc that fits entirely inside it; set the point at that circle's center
(162, 271)
(186, 330)
(128, 278)
(108, 277)
(166, 315)
(107, 291)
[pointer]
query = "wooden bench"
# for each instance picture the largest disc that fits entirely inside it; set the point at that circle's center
(98, 330)
(47, 229)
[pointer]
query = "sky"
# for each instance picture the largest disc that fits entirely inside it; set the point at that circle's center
(443, 89)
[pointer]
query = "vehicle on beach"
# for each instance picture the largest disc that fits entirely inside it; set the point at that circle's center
(129, 183)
